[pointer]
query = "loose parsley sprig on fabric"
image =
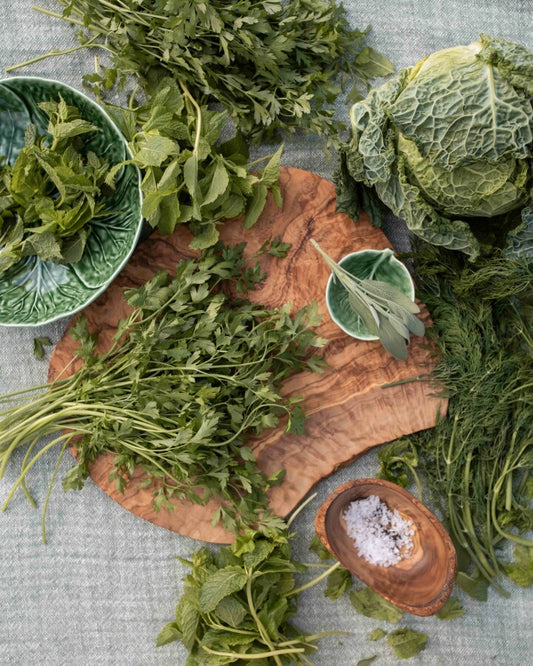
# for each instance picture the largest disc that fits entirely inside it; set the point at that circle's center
(53, 190)
(191, 374)
(275, 65)
(385, 311)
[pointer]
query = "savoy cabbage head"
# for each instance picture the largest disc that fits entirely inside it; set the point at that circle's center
(447, 146)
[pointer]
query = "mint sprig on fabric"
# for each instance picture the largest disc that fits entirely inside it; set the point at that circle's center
(385, 311)
(237, 604)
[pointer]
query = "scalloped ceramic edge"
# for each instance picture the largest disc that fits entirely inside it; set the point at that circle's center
(70, 279)
(400, 269)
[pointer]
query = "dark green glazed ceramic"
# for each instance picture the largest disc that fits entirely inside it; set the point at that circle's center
(34, 292)
(365, 264)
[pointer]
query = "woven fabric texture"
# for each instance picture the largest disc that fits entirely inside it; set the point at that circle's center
(106, 583)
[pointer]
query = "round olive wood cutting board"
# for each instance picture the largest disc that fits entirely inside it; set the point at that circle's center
(348, 411)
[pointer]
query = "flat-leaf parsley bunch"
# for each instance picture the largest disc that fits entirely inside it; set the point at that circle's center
(191, 374)
(274, 65)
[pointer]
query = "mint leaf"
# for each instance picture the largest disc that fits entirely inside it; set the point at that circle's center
(406, 642)
(168, 634)
(220, 584)
(451, 610)
(370, 603)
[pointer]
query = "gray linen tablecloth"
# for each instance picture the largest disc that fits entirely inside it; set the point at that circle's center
(106, 583)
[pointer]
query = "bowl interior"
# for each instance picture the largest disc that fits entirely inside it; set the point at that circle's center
(422, 581)
(34, 292)
(365, 264)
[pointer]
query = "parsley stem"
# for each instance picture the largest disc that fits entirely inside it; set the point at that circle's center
(50, 485)
(51, 54)
(300, 508)
(28, 467)
(49, 12)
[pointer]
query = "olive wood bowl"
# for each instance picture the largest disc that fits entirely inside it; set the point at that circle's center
(421, 582)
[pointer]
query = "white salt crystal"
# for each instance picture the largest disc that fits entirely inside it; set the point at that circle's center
(381, 536)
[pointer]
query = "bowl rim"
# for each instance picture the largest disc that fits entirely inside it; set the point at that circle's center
(399, 264)
(431, 606)
(99, 291)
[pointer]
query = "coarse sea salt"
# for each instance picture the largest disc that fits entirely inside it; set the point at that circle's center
(381, 536)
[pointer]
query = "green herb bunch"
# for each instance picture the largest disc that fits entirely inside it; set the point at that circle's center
(53, 190)
(188, 175)
(274, 65)
(478, 461)
(192, 373)
(237, 603)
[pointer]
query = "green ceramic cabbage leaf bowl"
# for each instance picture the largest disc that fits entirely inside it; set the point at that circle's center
(35, 292)
(365, 264)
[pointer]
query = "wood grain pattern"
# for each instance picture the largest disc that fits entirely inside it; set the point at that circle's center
(348, 410)
(420, 583)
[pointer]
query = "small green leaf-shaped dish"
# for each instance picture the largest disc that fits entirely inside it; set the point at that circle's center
(365, 264)
(35, 292)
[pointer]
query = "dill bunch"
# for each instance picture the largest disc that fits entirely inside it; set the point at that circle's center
(479, 459)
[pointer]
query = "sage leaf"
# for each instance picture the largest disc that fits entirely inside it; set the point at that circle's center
(394, 342)
(385, 311)
(386, 292)
(365, 310)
